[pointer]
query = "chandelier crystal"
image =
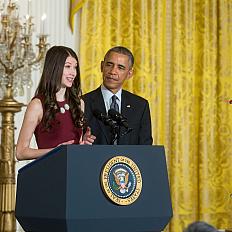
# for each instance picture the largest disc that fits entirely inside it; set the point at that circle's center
(17, 56)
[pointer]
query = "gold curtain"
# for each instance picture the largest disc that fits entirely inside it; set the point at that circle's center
(201, 118)
(183, 66)
(75, 5)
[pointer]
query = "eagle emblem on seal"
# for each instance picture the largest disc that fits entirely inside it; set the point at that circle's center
(121, 179)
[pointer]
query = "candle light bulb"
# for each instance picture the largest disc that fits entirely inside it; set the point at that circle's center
(44, 16)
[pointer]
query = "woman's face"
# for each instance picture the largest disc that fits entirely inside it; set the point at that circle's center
(69, 72)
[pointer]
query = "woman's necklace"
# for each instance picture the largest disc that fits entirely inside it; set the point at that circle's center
(63, 109)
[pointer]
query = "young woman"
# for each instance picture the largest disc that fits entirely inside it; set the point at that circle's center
(55, 114)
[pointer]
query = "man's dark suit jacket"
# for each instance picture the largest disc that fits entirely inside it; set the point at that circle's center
(134, 108)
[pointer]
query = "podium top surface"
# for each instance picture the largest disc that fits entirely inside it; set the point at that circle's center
(93, 148)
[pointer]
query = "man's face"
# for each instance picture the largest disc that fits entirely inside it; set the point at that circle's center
(115, 70)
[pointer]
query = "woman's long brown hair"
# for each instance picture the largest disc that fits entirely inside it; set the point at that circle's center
(50, 84)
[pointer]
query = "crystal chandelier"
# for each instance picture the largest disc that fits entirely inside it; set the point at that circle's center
(17, 60)
(17, 56)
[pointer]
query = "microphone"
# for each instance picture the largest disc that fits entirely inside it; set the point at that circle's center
(119, 118)
(104, 118)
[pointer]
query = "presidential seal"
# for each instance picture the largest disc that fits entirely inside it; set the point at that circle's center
(121, 180)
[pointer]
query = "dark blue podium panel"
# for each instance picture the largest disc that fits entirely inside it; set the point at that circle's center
(62, 191)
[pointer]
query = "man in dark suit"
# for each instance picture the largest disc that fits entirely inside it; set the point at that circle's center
(116, 68)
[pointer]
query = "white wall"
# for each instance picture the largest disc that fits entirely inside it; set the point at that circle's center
(57, 26)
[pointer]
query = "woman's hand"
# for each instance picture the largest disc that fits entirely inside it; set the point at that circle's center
(87, 138)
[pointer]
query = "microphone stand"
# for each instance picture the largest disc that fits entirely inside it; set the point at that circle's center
(121, 121)
(116, 121)
(116, 134)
